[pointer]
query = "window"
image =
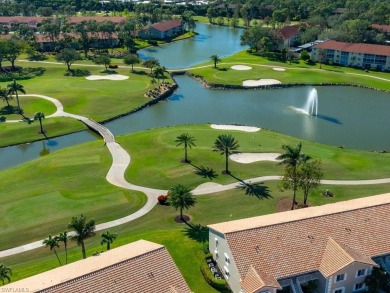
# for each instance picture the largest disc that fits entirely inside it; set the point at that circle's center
(339, 290)
(361, 273)
(358, 287)
(340, 277)
(227, 260)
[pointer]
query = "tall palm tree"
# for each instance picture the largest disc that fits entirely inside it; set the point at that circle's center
(108, 238)
(180, 197)
(5, 273)
(159, 72)
(52, 243)
(292, 158)
(5, 95)
(215, 59)
(14, 88)
(63, 237)
(83, 230)
(226, 145)
(186, 140)
(40, 116)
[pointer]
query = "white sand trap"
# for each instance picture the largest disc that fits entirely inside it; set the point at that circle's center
(241, 67)
(109, 77)
(262, 81)
(247, 158)
(235, 127)
(279, 69)
(207, 185)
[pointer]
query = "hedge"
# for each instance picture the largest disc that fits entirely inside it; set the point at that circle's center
(209, 277)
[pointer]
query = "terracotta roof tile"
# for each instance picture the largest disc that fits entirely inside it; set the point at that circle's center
(141, 266)
(255, 280)
(293, 242)
(381, 27)
(355, 47)
(166, 25)
(289, 31)
(337, 256)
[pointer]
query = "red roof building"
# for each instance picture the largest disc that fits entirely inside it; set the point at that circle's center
(335, 246)
(353, 54)
(161, 30)
(141, 266)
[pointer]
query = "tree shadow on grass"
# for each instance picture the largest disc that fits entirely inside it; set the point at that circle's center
(259, 190)
(205, 172)
(197, 232)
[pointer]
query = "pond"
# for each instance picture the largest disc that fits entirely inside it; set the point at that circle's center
(211, 39)
(347, 116)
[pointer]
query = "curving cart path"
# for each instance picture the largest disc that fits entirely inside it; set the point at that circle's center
(116, 176)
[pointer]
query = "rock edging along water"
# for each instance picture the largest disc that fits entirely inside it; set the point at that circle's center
(218, 86)
(156, 100)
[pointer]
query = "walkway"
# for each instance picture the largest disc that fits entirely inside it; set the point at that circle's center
(116, 176)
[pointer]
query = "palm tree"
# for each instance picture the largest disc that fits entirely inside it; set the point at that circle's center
(83, 230)
(52, 243)
(226, 144)
(40, 116)
(180, 197)
(215, 59)
(186, 140)
(310, 175)
(63, 237)
(292, 158)
(14, 88)
(5, 273)
(159, 72)
(108, 238)
(5, 95)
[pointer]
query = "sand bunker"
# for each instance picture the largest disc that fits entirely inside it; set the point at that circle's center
(109, 77)
(246, 158)
(241, 67)
(279, 69)
(235, 127)
(262, 81)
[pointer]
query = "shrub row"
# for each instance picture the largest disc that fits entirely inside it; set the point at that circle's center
(21, 73)
(209, 277)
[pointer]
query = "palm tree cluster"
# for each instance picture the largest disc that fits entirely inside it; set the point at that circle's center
(13, 89)
(225, 144)
(82, 230)
(299, 171)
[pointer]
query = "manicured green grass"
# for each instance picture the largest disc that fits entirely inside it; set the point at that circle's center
(158, 226)
(156, 160)
(40, 197)
(21, 132)
(99, 100)
(295, 73)
(31, 105)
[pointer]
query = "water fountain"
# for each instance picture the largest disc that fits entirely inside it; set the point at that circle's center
(311, 106)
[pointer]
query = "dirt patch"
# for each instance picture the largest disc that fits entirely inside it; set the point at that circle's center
(285, 205)
(178, 220)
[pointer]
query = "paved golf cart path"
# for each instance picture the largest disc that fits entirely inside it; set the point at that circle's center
(116, 176)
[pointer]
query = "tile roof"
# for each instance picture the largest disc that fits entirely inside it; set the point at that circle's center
(355, 47)
(141, 266)
(7, 20)
(255, 280)
(167, 25)
(294, 242)
(337, 256)
(382, 27)
(289, 31)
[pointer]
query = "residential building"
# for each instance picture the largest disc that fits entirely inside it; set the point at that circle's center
(141, 266)
(162, 30)
(382, 27)
(290, 34)
(335, 246)
(8, 21)
(353, 54)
